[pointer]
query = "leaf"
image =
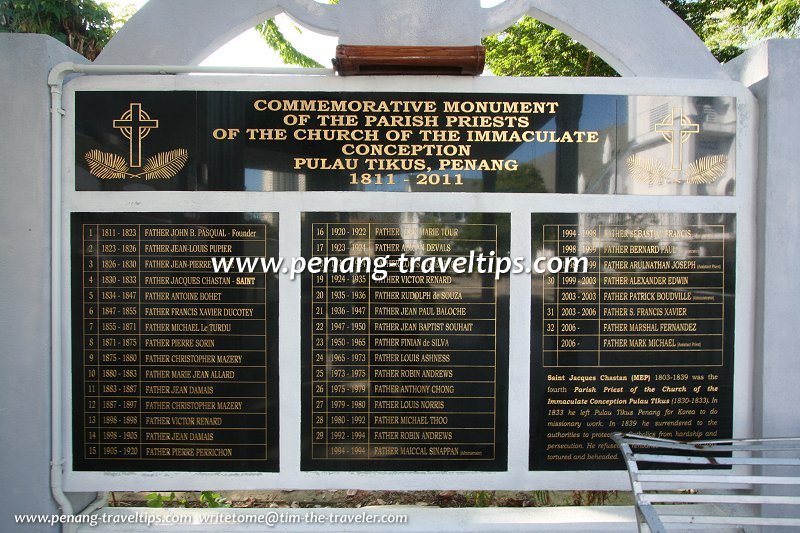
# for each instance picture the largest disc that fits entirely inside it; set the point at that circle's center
(213, 499)
(707, 169)
(165, 165)
(106, 166)
(155, 499)
(650, 171)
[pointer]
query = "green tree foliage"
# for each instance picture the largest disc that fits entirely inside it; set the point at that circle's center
(778, 18)
(83, 25)
(739, 25)
(277, 41)
(531, 48)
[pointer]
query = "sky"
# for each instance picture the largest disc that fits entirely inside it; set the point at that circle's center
(250, 50)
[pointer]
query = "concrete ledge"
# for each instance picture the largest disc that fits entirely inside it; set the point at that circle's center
(607, 519)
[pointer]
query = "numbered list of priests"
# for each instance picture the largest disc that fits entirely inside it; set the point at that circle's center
(171, 358)
(402, 370)
(640, 339)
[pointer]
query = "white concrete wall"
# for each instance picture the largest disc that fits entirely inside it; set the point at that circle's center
(25, 62)
(772, 72)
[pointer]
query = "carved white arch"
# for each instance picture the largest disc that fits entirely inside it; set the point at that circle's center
(636, 37)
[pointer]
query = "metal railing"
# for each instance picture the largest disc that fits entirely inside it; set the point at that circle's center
(730, 485)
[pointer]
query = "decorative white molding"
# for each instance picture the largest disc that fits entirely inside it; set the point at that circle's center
(652, 42)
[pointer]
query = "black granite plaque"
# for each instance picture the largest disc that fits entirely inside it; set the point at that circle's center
(642, 341)
(404, 369)
(174, 365)
(403, 142)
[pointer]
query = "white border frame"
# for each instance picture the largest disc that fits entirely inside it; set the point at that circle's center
(289, 206)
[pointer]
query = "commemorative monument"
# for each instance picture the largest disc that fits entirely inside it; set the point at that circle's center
(190, 352)
(407, 370)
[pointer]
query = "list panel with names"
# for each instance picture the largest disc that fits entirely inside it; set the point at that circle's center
(174, 363)
(636, 336)
(404, 370)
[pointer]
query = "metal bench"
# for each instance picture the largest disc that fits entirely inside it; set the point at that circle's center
(721, 485)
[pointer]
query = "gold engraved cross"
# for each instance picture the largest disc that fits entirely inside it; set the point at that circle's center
(135, 125)
(676, 130)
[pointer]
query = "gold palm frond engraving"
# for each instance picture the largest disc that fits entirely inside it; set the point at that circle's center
(707, 169)
(106, 166)
(649, 171)
(165, 165)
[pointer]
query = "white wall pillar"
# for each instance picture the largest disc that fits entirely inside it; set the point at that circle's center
(25, 62)
(772, 71)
